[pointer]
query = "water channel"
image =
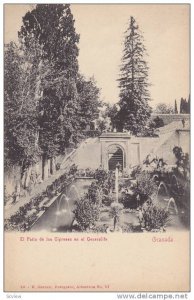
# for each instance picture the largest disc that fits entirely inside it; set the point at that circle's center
(59, 216)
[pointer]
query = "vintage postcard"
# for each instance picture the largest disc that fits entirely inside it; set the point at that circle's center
(96, 147)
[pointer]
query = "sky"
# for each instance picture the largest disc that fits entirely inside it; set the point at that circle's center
(166, 35)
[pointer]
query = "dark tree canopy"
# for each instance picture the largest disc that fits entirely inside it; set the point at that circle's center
(185, 106)
(158, 122)
(52, 26)
(89, 100)
(133, 82)
(175, 107)
(112, 113)
(47, 101)
(48, 38)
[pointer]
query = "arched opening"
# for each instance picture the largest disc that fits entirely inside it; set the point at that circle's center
(115, 156)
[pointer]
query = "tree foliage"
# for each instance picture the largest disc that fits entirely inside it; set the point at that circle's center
(183, 162)
(112, 112)
(163, 108)
(86, 213)
(154, 217)
(145, 186)
(133, 82)
(158, 122)
(51, 26)
(47, 101)
(89, 100)
(20, 110)
(175, 107)
(185, 106)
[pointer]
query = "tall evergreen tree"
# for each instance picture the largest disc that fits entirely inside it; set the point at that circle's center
(133, 82)
(49, 28)
(181, 105)
(47, 102)
(185, 106)
(175, 107)
(52, 26)
(188, 105)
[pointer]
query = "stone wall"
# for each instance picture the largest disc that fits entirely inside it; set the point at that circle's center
(15, 181)
(12, 179)
(146, 146)
(168, 141)
(168, 118)
(164, 149)
(93, 152)
(88, 155)
(184, 140)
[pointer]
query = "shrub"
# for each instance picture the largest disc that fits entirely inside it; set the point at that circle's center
(158, 122)
(127, 228)
(81, 173)
(153, 216)
(107, 200)
(89, 172)
(101, 176)
(127, 194)
(73, 169)
(86, 213)
(17, 218)
(95, 194)
(136, 171)
(100, 228)
(49, 191)
(183, 164)
(124, 184)
(115, 212)
(145, 186)
(128, 201)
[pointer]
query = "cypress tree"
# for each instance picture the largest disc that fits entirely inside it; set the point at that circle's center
(133, 82)
(175, 108)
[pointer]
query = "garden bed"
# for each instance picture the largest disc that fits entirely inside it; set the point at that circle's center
(28, 214)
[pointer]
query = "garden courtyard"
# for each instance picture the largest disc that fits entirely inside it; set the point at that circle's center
(153, 196)
(78, 159)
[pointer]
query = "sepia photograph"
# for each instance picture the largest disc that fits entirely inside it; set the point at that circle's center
(97, 135)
